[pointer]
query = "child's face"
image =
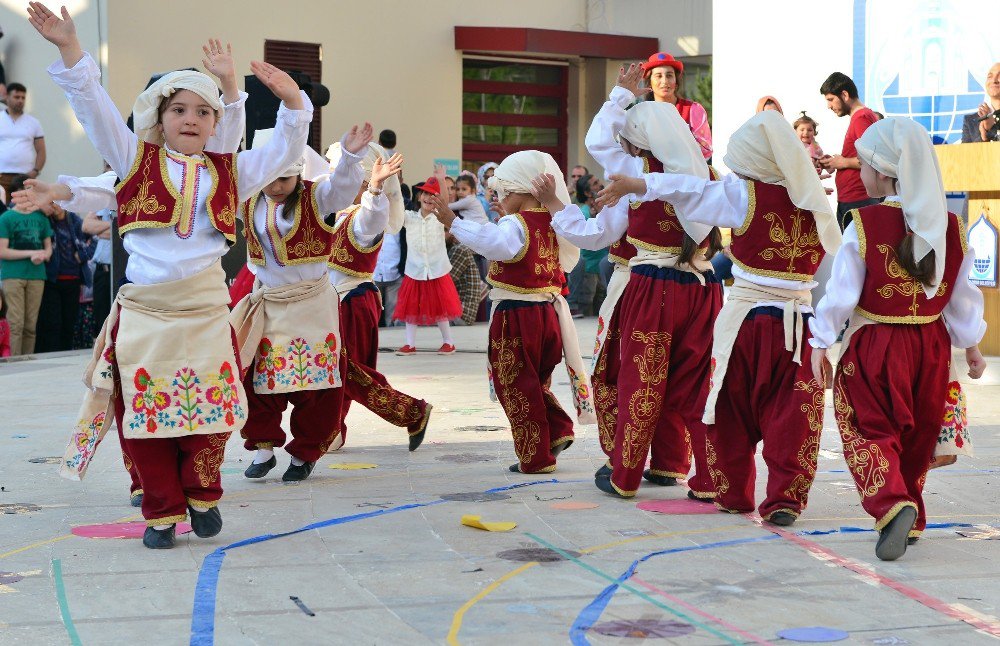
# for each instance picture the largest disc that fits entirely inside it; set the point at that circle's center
(281, 188)
(452, 192)
(462, 189)
(187, 122)
(806, 132)
(426, 205)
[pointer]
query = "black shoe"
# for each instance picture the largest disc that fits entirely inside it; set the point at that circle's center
(135, 499)
(781, 518)
(159, 539)
(261, 469)
(603, 472)
(912, 540)
(515, 468)
(556, 450)
(892, 540)
(298, 473)
(417, 438)
(663, 481)
(604, 484)
(697, 499)
(206, 524)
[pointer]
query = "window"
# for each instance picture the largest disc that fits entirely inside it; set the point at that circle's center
(307, 58)
(511, 106)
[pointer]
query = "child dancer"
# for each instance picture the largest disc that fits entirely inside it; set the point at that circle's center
(358, 236)
(902, 278)
(177, 212)
(531, 329)
(669, 303)
(762, 386)
(427, 295)
(92, 194)
(288, 327)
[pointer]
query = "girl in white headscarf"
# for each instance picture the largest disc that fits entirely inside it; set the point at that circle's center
(531, 328)
(659, 344)
(358, 238)
(901, 277)
(762, 389)
(292, 312)
(165, 364)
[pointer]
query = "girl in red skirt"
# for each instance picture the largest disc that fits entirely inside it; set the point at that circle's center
(901, 277)
(427, 295)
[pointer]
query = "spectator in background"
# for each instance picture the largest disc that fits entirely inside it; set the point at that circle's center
(665, 74)
(4, 327)
(466, 205)
(98, 225)
(388, 275)
(574, 177)
(22, 142)
(66, 273)
(25, 245)
(842, 98)
(586, 288)
(483, 191)
(978, 126)
(768, 102)
(387, 139)
(468, 281)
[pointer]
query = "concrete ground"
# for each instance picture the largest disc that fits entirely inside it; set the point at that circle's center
(398, 567)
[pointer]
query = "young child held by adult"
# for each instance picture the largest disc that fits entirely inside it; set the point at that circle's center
(467, 206)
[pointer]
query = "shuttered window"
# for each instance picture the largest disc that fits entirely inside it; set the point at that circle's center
(292, 56)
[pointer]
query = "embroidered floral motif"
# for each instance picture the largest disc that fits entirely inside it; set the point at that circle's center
(143, 203)
(269, 365)
(150, 402)
(208, 460)
(85, 439)
(954, 426)
(800, 242)
(224, 397)
(581, 392)
(644, 406)
(326, 360)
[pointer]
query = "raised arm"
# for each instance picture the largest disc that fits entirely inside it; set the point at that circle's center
(340, 188)
(261, 166)
(500, 241)
(601, 140)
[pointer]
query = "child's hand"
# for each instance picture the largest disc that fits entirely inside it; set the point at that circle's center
(357, 138)
(631, 80)
(543, 188)
(619, 187)
(496, 207)
(61, 32)
(38, 257)
(444, 214)
(218, 61)
(279, 82)
(977, 364)
(382, 171)
(440, 172)
(35, 195)
(822, 368)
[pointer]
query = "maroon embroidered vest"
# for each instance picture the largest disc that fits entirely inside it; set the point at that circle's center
(621, 251)
(147, 199)
(348, 256)
(535, 269)
(777, 239)
(889, 294)
(309, 240)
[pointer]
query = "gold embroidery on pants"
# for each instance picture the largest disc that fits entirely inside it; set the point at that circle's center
(526, 433)
(719, 479)
(864, 458)
(809, 451)
(384, 401)
(208, 460)
(645, 404)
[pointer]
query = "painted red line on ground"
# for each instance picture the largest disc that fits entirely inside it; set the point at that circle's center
(990, 627)
(722, 622)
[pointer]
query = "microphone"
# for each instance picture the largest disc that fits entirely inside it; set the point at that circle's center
(992, 115)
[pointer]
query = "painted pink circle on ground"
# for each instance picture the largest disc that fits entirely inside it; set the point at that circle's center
(120, 530)
(573, 506)
(677, 506)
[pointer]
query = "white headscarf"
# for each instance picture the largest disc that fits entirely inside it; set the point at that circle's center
(145, 112)
(766, 149)
(391, 188)
(514, 175)
(901, 148)
(658, 127)
(481, 174)
(261, 137)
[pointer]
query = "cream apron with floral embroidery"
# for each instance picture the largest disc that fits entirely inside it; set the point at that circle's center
(179, 372)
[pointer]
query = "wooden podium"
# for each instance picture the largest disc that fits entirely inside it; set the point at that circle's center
(975, 169)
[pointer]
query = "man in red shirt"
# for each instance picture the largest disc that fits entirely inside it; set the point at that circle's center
(842, 98)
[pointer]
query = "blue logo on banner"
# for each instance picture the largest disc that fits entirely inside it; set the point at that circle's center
(923, 59)
(983, 239)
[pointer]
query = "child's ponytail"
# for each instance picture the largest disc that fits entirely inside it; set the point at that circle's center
(689, 248)
(922, 271)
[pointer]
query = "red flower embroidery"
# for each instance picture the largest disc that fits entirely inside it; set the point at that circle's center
(226, 372)
(142, 380)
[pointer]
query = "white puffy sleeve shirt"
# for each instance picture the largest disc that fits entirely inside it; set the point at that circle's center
(602, 142)
(164, 254)
(369, 221)
(595, 233)
(963, 315)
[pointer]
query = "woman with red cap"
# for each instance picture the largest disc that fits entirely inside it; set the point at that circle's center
(427, 295)
(664, 74)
